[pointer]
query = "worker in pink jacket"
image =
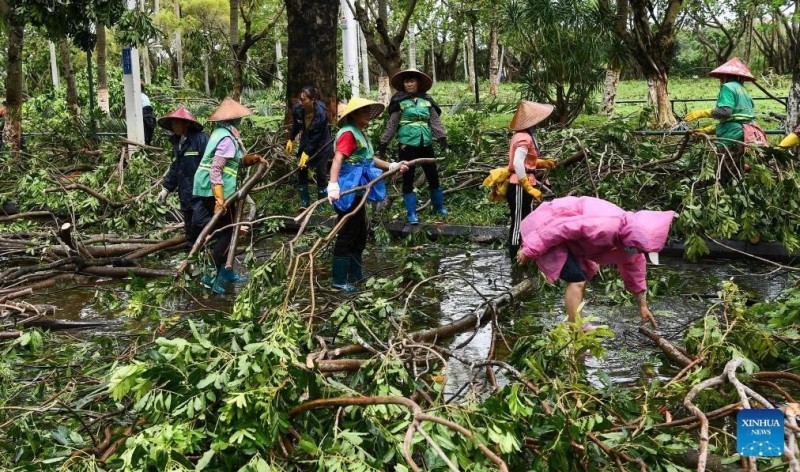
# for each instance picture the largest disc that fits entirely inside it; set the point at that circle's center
(570, 237)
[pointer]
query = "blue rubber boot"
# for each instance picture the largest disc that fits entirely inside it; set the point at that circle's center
(356, 272)
(304, 198)
(410, 200)
(214, 283)
(341, 268)
(437, 201)
(227, 275)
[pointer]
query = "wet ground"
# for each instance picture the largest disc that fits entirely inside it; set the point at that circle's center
(686, 291)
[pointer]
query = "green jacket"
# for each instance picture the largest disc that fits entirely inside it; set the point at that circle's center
(734, 95)
(202, 178)
(415, 128)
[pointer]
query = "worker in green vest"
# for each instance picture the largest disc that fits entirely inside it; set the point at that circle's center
(216, 180)
(734, 111)
(414, 117)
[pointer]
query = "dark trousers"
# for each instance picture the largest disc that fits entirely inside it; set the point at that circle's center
(203, 211)
(352, 238)
(320, 168)
(520, 204)
(407, 153)
(149, 124)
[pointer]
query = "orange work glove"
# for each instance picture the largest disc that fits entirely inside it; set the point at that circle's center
(252, 159)
(546, 164)
(535, 193)
(219, 198)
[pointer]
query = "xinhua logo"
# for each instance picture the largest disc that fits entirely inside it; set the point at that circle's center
(759, 433)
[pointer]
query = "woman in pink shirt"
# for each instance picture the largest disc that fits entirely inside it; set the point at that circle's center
(570, 237)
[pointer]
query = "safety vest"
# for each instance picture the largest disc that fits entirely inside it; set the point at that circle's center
(363, 152)
(415, 128)
(359, 169)
(202, 178)
(742, 106)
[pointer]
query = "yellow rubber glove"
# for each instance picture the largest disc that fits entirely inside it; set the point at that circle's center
(546, 164)
(697, 114)
(711, 129)
(790, 141)
(289, 147)
(219, 197)
(303, 160)
(535, 193)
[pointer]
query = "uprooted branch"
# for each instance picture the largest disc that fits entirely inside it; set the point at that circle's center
(418, 417)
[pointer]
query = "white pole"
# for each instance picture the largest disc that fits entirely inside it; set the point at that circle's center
(349, 47)
(133, 90)
(364, 61)
(54, 66)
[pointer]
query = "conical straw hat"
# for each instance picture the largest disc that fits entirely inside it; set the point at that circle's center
(733, 67)
(229, 109)
(180, 113)
(356, 103)
(425, 82)
(529, 114)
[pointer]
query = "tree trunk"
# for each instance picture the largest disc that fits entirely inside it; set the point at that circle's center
(658, 98)
(433, 58)
(311, 50)
(238, 65)
(610, 90)
(206, 85)
(381, 43)
(793, 104)
(145, 55)
(470, 63)
(412, 46)
(176, 9)
(384, 88)
(102, 75)
(69, 78)
(362, 41)
(12, 131)
(466, 58)
(54, 66)
(494, 64)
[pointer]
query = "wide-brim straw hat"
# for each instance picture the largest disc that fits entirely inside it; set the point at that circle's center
(529, 114)
(425, 82)
(356, 103)
(180, 113)
(229, 109)
(733, 67)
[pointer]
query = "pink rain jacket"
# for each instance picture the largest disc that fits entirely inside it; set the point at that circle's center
(596, 232)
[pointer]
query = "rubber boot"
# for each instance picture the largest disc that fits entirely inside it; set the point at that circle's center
(437, 201)
(341, 268)
(213, 282)
(304, 198)
(356, 272)
(227, 275)
(410, 200)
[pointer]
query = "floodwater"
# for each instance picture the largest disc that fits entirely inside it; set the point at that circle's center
(687, 290)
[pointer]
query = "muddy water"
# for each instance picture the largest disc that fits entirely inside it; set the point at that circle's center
(686, 292)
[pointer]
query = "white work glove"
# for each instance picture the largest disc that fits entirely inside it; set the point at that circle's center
(393, 166)
(333, 192)
(162, 196)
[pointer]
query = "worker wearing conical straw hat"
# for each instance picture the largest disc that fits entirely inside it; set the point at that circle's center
(188, 146)
(523, 160)
(414, 117)
(354, 165)
(735, 111)
(216, 180)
